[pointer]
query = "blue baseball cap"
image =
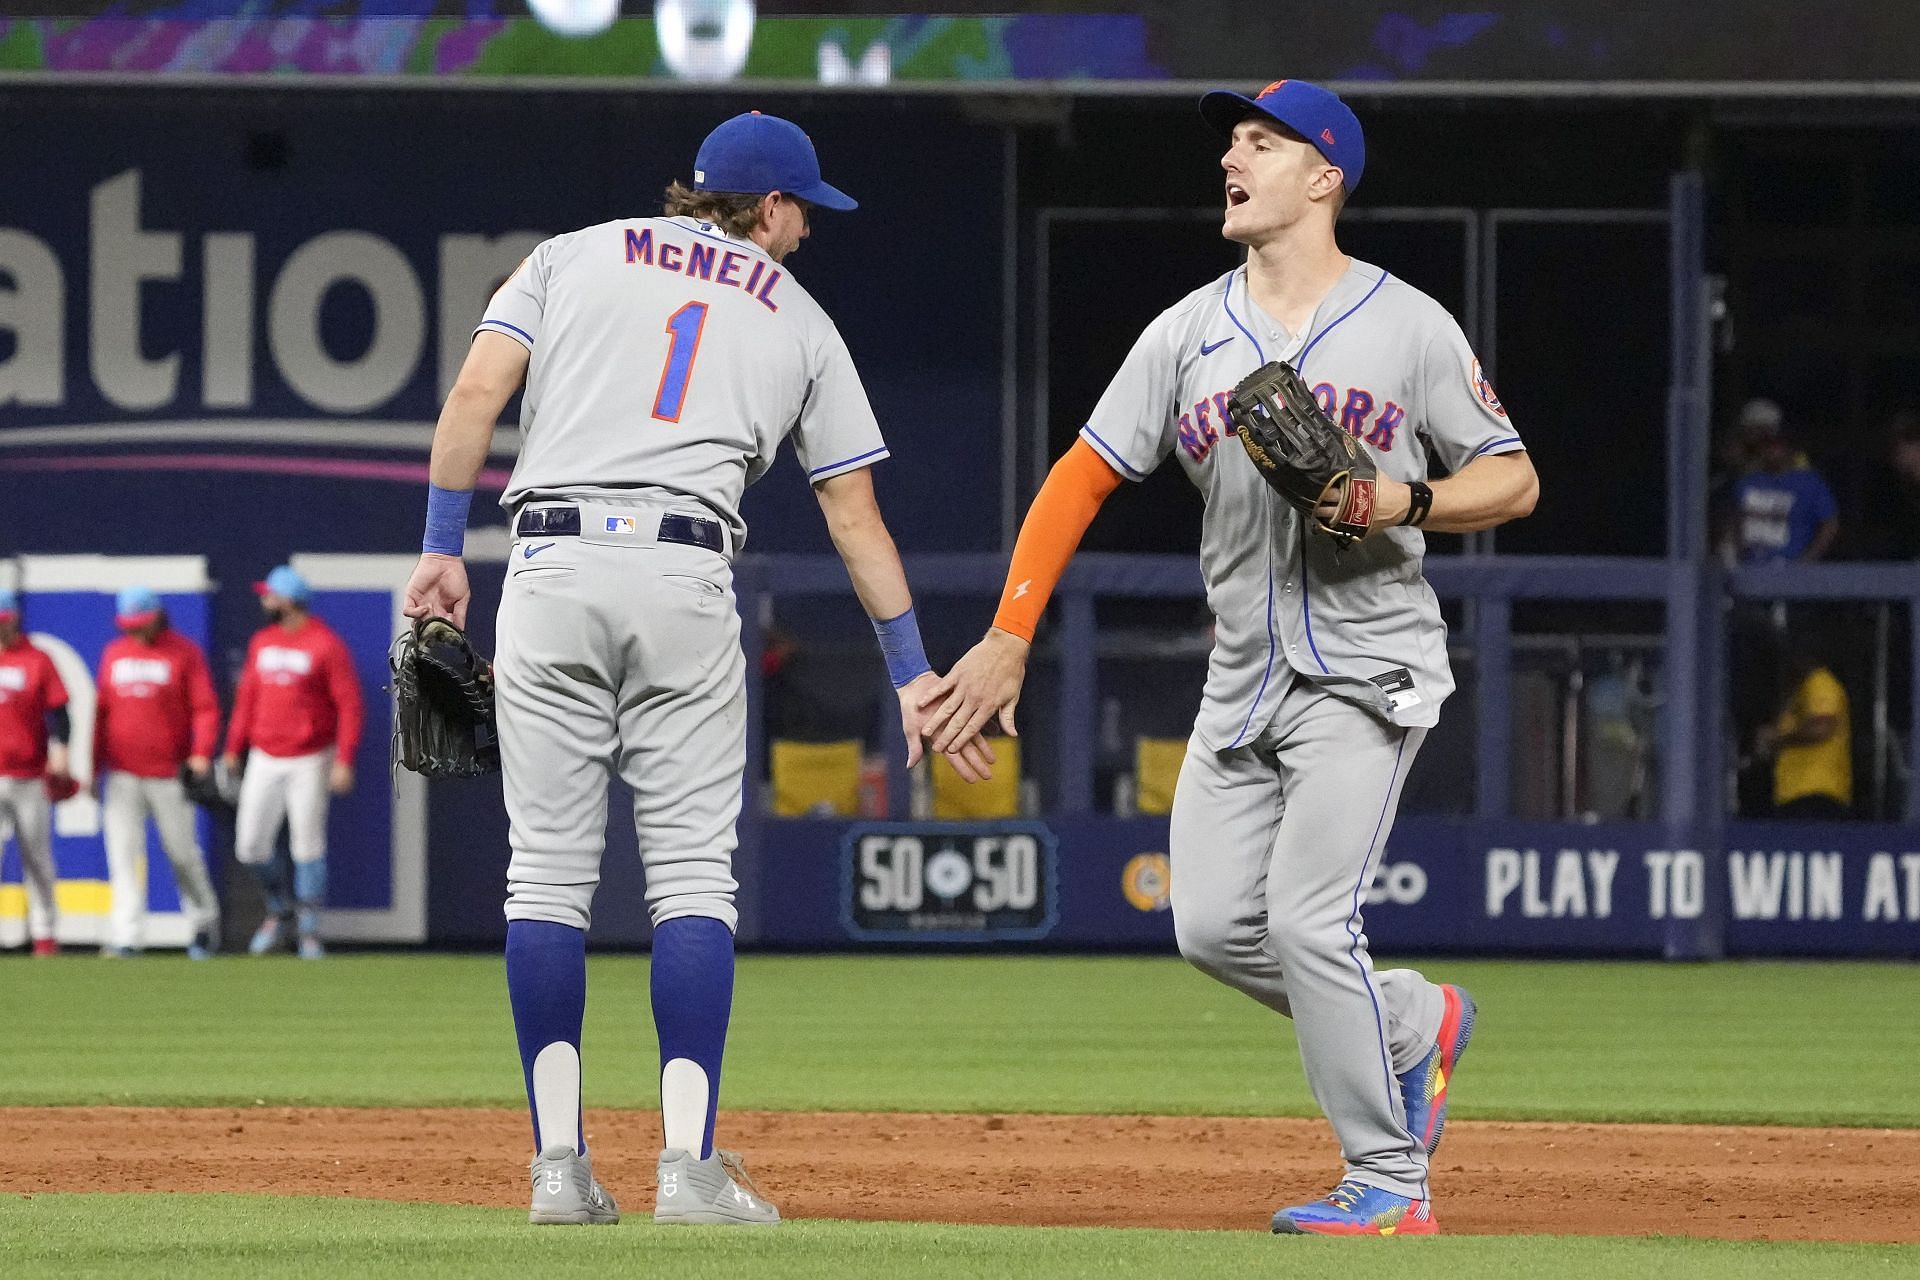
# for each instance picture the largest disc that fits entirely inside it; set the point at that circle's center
(286, 583)
(1314, 113)
(753, 154)
(9, 603)
(136, 606)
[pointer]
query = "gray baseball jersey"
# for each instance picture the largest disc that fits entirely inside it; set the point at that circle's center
(669, 356)
(1391, 366)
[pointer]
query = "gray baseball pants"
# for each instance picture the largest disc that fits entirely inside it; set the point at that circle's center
(618, 652)
(129, 801)
(27, 812)
(1274, 845)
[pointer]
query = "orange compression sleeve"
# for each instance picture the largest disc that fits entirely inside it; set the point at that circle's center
(1055, 523)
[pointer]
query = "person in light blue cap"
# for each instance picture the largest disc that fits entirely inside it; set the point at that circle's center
(156, 723)
(297, 717)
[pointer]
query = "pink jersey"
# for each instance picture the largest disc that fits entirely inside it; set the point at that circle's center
(298, 694)
(156, 706)
(29, 688)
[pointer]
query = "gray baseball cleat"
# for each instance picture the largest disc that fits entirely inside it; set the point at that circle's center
(565, 1192)
(709, 1191)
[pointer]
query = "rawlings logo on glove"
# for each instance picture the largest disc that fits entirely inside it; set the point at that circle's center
(1321, 471)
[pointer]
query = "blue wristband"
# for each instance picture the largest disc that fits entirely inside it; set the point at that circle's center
(900, 643)
(446, 520)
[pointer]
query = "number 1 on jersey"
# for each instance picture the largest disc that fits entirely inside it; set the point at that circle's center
(685, 326)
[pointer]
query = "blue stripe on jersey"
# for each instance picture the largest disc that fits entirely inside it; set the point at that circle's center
(1306, 609)
(1226, 305)
(1300, 364)
(1306, 614)
(869, 455)
(1272, 645)
(1353, 931)
(1494, 444)
(502, 324)
(1113, 455)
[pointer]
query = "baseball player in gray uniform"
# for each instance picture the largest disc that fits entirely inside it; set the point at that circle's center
(1328, 666)
(664, 360)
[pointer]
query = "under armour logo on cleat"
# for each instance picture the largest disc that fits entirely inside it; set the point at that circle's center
(555, 1182)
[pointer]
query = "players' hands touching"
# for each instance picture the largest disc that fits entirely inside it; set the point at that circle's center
(983, 684)
(340, 778)
(972, 759)
(438, 589)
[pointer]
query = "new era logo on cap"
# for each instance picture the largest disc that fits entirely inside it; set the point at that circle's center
(1326, 136)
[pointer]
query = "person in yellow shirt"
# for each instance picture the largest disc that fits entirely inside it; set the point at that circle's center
(1811, 743)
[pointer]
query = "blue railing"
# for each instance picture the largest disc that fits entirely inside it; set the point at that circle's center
(1694, 751)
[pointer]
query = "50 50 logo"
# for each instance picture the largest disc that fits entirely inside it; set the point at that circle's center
(949, 882)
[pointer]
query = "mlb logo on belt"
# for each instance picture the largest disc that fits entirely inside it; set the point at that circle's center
(619, 524)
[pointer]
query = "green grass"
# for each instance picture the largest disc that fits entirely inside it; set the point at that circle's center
(265, 1237)
(1763, 1043)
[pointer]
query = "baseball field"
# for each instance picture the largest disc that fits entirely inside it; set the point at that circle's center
(982, 1116)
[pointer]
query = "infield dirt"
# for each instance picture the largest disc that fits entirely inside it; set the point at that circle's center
(1022, 1170)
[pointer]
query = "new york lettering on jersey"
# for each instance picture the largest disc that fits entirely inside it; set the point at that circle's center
(1389, 366)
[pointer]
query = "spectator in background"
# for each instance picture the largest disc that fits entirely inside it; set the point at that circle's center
(33, 765)
(298, 707)
(156, 716)
(1812, 741)
(1782, 509)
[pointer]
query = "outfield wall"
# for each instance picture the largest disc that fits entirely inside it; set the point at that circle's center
(413, 863)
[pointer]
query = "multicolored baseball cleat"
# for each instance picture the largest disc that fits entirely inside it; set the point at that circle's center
(1356, 1209)
(1424, 1088)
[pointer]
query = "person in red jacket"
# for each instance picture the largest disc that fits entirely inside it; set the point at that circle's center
(33, 765)
(155, 715)
(298, 708)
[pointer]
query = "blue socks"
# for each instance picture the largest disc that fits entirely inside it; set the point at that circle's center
(692, 979)
(273, 875)
(310, 893)
(547, 984)
(692, 1001)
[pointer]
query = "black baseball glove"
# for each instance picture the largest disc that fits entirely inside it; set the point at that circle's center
(1321, 471)
(443, 723)
(216, 790)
